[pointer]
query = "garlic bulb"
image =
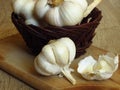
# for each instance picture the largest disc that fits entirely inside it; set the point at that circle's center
(56, 57)
(55, 12)
(102, 69)
(25, 8)
(64, 12)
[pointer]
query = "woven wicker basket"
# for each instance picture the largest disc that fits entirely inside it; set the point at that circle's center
(36, 37)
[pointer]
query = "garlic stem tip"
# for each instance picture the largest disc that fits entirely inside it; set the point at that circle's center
(68, 75)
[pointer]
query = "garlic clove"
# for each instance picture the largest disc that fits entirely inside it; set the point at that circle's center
(71, 47)
(83, 4)
(18, 5)
(61, 53)
(41, 8)
(31, 21)
(86, 65)
(53, 17)
(27, 9)
(102, 69)
(66, 12)
(46, 67)
(49, 54)
(39, 69)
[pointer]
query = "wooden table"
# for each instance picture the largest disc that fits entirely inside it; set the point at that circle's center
(107, 36)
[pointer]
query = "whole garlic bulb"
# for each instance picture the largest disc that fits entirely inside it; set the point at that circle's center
(102, 69)
(55, 12)
(64, 12)
(56, 57)
(25, 8)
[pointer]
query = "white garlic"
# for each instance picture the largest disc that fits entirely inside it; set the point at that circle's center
(31, 21)
(55, 12)
(102, 69)
(26, 8)
(64, 12)
(56, 57)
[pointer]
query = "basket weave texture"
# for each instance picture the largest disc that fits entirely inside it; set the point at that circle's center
(36, 37)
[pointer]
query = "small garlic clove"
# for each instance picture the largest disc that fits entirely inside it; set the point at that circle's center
(66, 13)
(44, 67)
(61, 53)
(31, 21)
(83, 4)
(102, 69)
(41, 8)
(85, 68)
(18, 5)
(86, 65)
(27, 9)
(53, 17)
(71, 47)
(39, 69)
(49, 54)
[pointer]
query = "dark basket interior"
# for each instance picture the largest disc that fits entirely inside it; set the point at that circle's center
(36, 37)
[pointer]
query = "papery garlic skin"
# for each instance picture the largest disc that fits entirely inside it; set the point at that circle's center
(55, 58)
(102, 69)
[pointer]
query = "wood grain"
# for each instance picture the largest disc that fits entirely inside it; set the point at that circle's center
(17, 61)
(107, 36)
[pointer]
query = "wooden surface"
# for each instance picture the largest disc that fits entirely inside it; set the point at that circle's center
(107, 36)
(16, 60)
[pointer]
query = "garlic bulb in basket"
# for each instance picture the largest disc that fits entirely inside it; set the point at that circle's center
(55, 12)
(64, 12)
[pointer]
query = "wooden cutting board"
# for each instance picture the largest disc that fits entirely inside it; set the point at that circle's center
(16, 60)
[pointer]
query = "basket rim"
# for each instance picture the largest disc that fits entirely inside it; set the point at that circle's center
(35, 32)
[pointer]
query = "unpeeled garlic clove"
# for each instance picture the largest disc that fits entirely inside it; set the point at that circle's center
(48, 53)
(31, 21)
(43, 67)
(102, 69)
(69, 44)
(60, 53)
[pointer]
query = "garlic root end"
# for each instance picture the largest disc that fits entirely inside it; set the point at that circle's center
(67, 74)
